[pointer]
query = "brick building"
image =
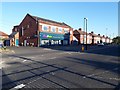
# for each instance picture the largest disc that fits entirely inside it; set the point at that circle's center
(3, 37)
(14, 36)
(92, 38)
(81, 36)
(38, 31)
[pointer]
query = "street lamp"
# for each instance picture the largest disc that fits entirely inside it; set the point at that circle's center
(86, 30)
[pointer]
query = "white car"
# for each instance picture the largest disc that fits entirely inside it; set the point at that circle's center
(101, 44)
(1, 45)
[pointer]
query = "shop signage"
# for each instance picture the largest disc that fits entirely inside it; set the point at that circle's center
(51, 36)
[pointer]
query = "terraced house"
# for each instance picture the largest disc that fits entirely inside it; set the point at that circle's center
(38, 31)
(92, 38)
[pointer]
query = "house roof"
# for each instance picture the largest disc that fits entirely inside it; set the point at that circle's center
(48, 20)
(95, 35)
(3, 34)
(79, 32)
(12, 34)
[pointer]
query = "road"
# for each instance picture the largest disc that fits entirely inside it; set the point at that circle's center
(30, 67)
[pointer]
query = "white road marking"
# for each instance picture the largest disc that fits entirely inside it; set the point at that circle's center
(18, 87)
(24, 60)
(47, 49)
(53, 58)
(95, 75)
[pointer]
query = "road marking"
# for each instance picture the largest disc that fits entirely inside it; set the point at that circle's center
(18, 87)
(47, 49)
(53, 58)
(24, 60)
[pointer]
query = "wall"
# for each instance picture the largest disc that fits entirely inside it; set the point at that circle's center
(30, 29)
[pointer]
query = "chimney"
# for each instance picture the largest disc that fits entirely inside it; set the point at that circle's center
(92, 32)
(80, 29)
(98, 34)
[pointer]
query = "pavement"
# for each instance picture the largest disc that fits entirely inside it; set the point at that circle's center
(57, 67)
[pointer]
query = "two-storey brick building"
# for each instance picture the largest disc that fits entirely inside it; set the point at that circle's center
(38, 31)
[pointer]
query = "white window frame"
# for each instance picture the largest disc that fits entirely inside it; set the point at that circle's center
(54, 28)
(59, 28)
(43, 26)
(66, 30)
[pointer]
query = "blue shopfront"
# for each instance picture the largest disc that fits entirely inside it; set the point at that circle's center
(53, 39)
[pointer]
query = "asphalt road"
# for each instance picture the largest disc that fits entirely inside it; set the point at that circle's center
(60, 67)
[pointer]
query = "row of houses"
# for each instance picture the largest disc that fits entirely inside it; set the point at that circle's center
(36, 31)
(92, 38)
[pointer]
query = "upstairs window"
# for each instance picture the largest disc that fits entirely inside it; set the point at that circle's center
(60, 30)
(22, 31)
(53, 29)
(45, 28)
(66, 31)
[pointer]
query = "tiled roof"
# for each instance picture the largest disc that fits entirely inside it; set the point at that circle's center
(79, 32)
(3, 34)
(12, 34)
(39, 18)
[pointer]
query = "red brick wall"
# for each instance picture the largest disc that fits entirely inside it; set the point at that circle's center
(29, 31)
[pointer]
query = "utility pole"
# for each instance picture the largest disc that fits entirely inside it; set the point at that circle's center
(86, 31)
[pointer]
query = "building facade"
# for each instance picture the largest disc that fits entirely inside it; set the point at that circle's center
(3, 38)
(81, 36)
(92, 38)
(14, 36)
(38, 31)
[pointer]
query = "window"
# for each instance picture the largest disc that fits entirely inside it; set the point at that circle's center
(45, 28)
(66, 31)
(28, 26)
(53, 29)
(60, 30)
(22, 31)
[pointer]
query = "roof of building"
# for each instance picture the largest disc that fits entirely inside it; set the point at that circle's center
(12, 34)
(48, 20)
(79, 32)
(3, 34)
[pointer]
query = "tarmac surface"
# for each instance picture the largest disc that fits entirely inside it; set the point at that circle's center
(58, 67)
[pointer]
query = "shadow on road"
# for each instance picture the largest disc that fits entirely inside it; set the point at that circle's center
(110, 66)
(87, 62)
(102, 50)
(110, 51)
(6, 79)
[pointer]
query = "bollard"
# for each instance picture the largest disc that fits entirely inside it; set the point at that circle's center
(82, 48)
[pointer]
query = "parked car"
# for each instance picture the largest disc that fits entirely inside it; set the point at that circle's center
(1, 45)
(101, 44)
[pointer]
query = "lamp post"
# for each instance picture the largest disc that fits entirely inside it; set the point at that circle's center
(86, 30)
